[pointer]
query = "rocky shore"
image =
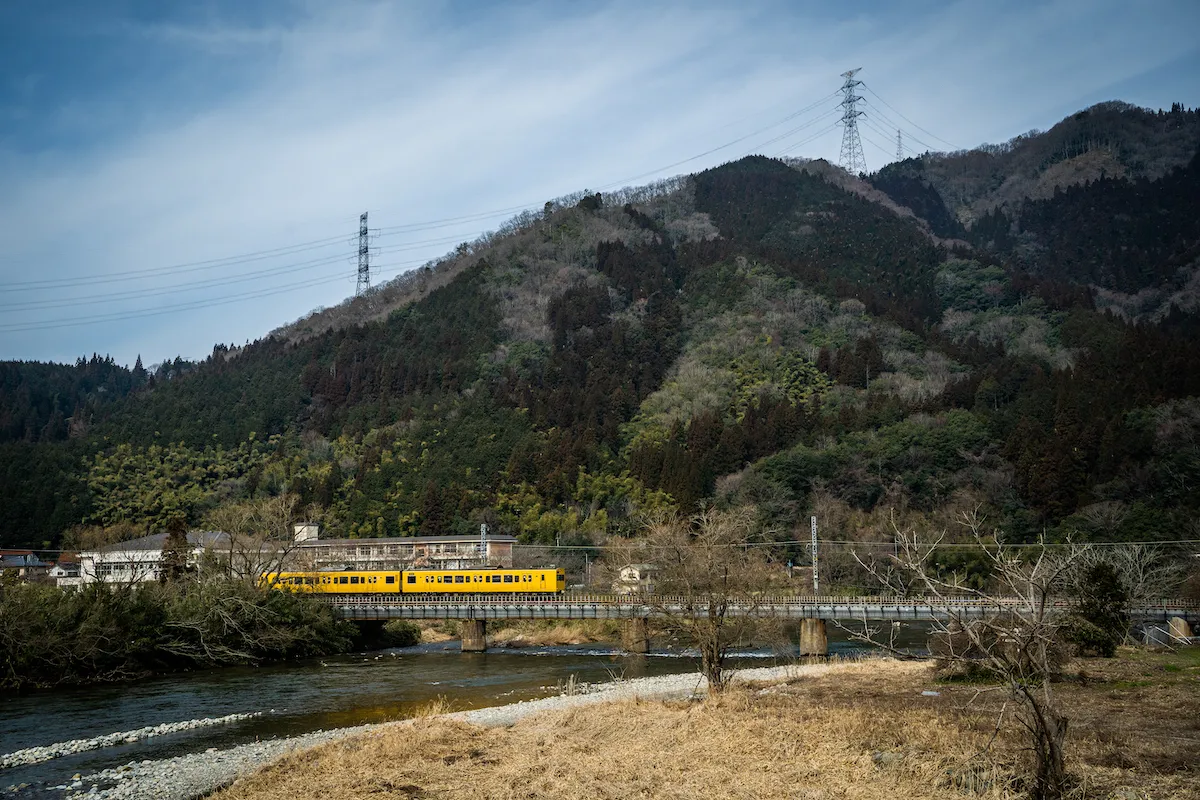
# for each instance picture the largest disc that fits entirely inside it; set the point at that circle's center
(198, 774)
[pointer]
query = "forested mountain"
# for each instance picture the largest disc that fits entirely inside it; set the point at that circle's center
(770, 333)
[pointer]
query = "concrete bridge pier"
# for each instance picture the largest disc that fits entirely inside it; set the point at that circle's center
(1179, 628)
(474, 635)
(814, 641)
(635, 637)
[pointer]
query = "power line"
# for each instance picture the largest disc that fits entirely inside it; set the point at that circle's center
(208, 303)
(887, 544)
(811, 138)
(795, 130)
(139, 294)
(889, 121)
(910, 122)
(792, 116)
(193, 266)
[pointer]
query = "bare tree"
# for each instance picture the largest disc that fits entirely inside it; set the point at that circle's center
(260, 535)
(709, 577)
(1011, 632)
(1147, 573)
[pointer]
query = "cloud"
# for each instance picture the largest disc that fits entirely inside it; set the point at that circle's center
(421, 114)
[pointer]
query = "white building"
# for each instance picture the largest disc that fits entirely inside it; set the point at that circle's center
(636, 579)
(139, 560)
(413, 552)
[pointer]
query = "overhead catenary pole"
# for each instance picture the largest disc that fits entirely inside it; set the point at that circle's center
(816, 580)
(852, 159)
(364, 257)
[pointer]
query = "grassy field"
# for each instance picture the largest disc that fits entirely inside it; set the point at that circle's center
(865, 731)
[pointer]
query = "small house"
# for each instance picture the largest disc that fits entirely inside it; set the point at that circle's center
(636, 579)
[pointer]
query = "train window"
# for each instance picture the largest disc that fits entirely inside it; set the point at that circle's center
(343, 579)
(439, 578)
(354, 579)
(390, 579)
(410, 578)
(458, 578)
(508, 578)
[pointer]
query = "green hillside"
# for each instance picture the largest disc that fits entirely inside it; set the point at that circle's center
(761, 333)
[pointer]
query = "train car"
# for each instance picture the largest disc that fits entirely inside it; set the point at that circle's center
(484, 581)
(457, 582)
(339, 582)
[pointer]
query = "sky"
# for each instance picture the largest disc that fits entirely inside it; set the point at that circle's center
(177, 175)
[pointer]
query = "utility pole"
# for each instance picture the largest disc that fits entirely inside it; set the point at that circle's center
(364, 257)
(899, 146)
(816, 580)
(852, 159)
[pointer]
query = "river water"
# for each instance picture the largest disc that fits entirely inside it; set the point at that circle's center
(303, 696)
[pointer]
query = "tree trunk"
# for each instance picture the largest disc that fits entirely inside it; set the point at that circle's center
(1049, 730)
(712, 665)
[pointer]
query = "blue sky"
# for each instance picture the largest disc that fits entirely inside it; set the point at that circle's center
(141, 142)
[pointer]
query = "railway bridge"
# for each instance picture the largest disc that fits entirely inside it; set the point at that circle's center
(813, 612)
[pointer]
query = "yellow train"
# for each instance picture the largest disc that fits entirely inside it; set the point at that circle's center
(422, 581)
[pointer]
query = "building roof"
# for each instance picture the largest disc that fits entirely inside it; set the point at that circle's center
(502, 539)
(156, 541)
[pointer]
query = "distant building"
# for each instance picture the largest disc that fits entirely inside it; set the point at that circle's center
(66, 572)
(139, 560)
(25, 564)
(415, 552)
(636, 579)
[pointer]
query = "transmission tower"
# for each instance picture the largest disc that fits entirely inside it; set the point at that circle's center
(364, 257)
(899, 146)
(852, 158)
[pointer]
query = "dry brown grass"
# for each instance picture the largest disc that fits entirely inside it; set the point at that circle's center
(536, 633)
(864, 731)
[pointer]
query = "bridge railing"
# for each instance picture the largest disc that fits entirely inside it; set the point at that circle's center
(757, 600)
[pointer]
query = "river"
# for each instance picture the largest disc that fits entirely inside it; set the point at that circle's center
(303, 696)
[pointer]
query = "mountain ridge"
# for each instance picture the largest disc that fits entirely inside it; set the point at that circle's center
(776, 334)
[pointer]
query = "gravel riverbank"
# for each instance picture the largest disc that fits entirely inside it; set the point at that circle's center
(198, 774)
